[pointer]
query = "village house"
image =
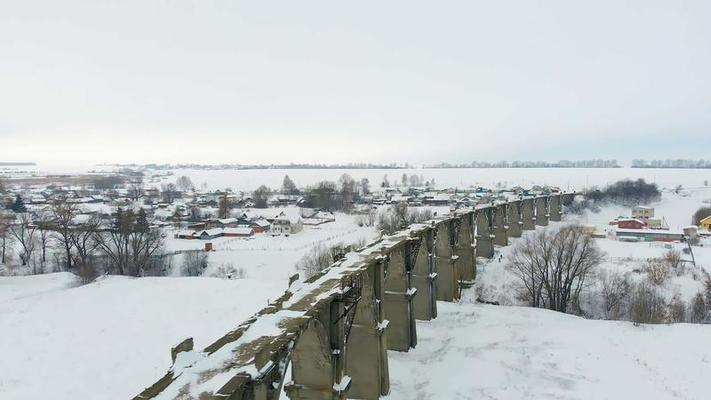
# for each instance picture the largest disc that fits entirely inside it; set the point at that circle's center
(238, 232)
(286, 224)
(631, 223)
(642, 212)
(705, 224)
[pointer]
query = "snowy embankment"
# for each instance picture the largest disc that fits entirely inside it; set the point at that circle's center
(488, 352)
(112, 338)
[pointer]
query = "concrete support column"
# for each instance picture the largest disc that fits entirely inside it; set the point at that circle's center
(465, 249)
(424, 277)
(541, 211)
(513, 216)
(527, 215)
(402, 334)
(484, 244)
(446, 261)
(555, 207)
(317, 366)
(367, 361)
(501, 237)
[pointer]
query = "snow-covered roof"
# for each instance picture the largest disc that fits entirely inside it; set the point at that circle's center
(238, 231)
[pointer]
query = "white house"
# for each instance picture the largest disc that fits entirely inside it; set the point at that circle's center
(286, 224)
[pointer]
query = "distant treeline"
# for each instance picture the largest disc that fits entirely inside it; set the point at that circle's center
(626, 192)
(16, 164)
(671, 164)
(265, 166)
(533, 164)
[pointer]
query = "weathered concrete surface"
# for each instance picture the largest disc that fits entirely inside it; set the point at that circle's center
(484, 244)
(527, 215)
(541, 211)
(464, 248)
(368, 363)
(555, 209)
(447, 269)
(501, 237)
(398, 299)
(424, 277)
(513, 216)
(317, 359)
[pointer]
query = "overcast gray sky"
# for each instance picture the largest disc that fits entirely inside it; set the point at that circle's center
(334, 81)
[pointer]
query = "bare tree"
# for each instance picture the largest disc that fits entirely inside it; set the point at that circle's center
(647, 305)
(135, 190)
(364, 186)
(554, 265)
(24, 233)
(224, 207)
(145, 243)
(6, 239)
(348, 190)
(677, 310)
(698, 309)
(615, 288)
(114, 241)
(129, 242)
(169, 192)
(260, 196)
(288, 186)
(184, 183)
(83, 239)
(63, 214)
(45, 235)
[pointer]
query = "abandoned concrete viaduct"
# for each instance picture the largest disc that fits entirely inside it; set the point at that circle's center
(327, 337)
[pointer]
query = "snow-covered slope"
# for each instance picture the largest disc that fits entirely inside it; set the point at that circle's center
(493, 352)
(110, 339)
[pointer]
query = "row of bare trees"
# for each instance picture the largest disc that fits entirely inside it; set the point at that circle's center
(555, 266)
(124, 245)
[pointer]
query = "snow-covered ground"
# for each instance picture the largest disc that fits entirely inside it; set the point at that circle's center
(268, 257)
(565, 178)
(675, 209)
(112, 338)
(488, 352)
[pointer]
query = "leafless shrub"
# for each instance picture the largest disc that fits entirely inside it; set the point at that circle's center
(677, 310)
(194, 262)
(316, 260)
(647, 306)
(657, 271)
(672, 258)
(615, 289)
(698, 312)
(229, 271)
(399, 216)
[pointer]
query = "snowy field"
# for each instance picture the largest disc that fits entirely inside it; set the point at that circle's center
(268, 257)
(565, 178)
(112, 338)
(488, 352)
